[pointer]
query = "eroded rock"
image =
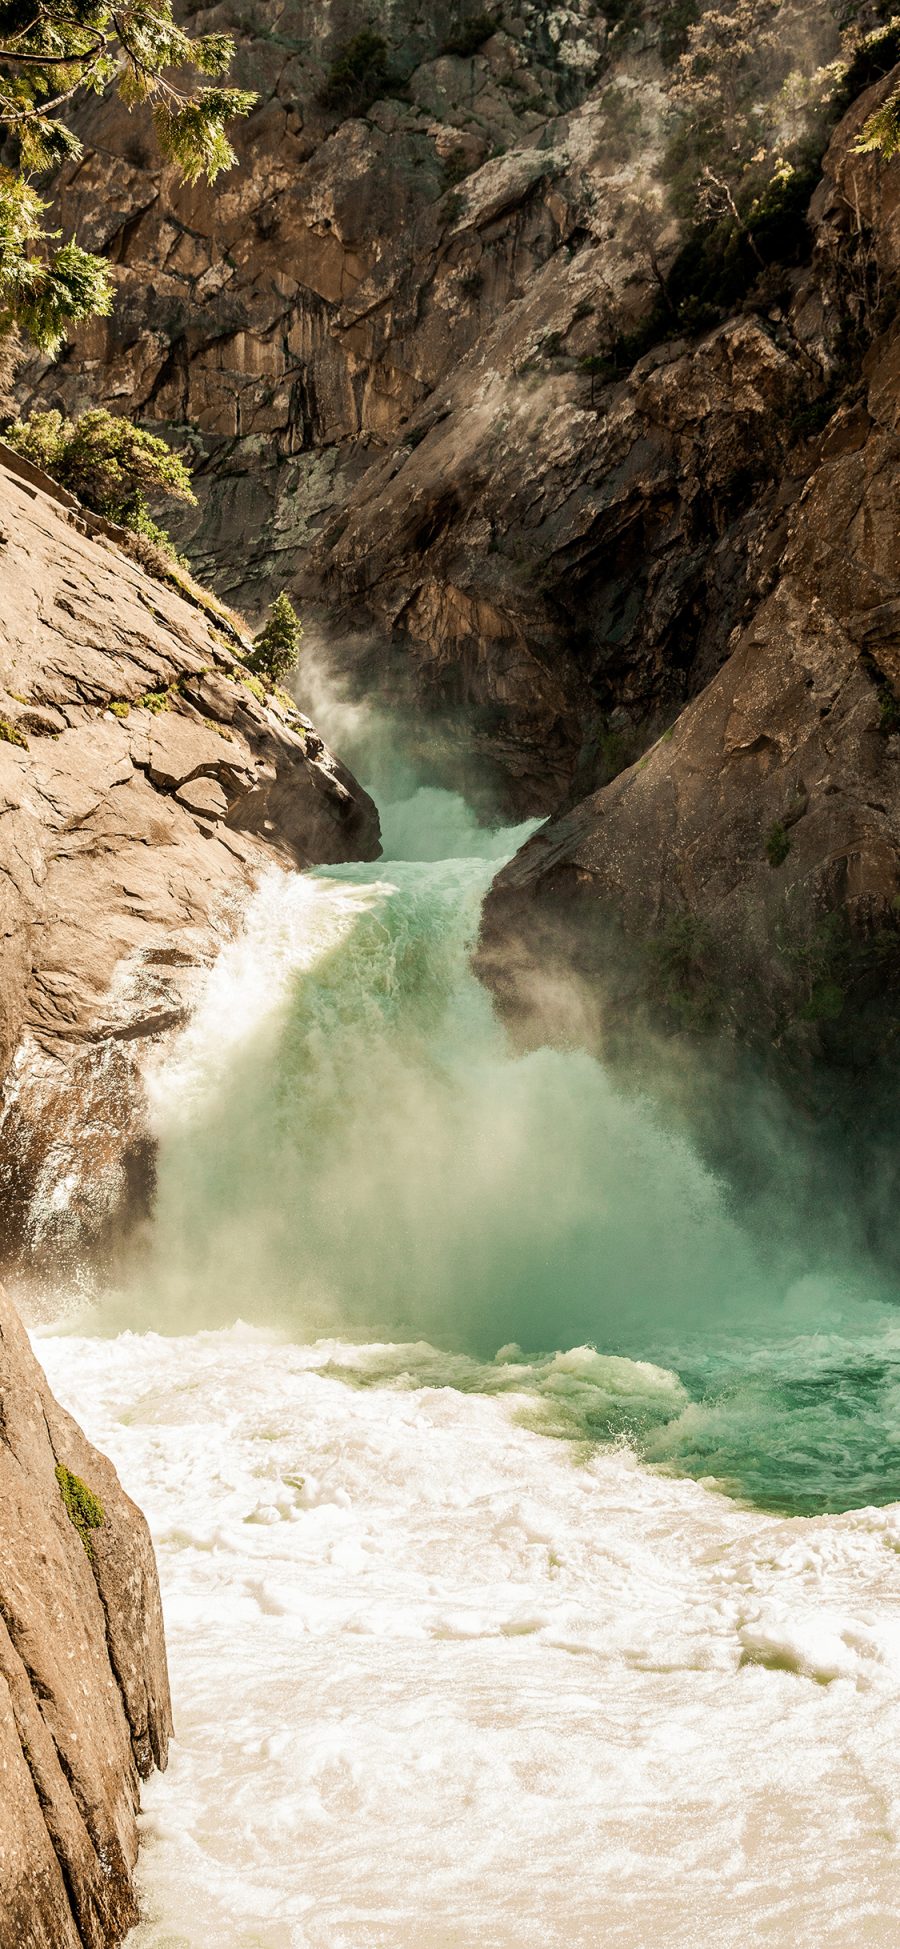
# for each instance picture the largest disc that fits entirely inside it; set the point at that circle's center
(751, 858)
(84, 1695)
(130, 838)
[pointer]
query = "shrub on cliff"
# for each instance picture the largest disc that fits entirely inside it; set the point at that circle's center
(471, 35)
(358, 75)
(277, 647)
(51, 51)
(110, 464)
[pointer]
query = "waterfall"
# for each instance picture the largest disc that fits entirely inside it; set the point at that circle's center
(349, 1146)
(412, 1374)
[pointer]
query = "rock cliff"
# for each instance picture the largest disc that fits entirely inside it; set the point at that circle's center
(144, 787)
(84, 1696)
(352, 336)
(657, 602)
(751, 857)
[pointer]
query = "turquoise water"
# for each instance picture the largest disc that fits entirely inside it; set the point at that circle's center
(350, 1147)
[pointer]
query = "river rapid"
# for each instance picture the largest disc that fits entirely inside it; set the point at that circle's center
(526, 1525)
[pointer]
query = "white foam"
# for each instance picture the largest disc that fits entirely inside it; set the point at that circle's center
(439, 1682)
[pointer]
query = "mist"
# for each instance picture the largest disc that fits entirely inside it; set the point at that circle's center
(350, 1147)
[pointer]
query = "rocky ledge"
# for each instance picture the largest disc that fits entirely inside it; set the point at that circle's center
(84, 1694)
(144, 788)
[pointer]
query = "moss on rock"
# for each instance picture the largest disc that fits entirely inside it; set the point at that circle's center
(84, 1509)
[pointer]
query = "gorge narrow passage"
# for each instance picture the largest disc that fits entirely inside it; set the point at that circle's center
(425, 1347)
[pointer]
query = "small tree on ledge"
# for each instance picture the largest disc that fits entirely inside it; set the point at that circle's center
(277, 647)
(106, 460)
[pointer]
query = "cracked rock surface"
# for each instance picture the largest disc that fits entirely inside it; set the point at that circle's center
(129, 842)
(392, 388)
(84, 1694)
(751, 857)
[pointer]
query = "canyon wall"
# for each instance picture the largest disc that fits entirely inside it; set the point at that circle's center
(655, 602)
(750, 860)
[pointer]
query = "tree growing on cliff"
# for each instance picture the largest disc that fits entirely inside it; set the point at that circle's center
(109, 463)
(753, 87)
(277, 647)
(881, 133)
(53, 51)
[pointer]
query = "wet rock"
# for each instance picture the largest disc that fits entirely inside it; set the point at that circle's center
(115, 895)
(84, 1696)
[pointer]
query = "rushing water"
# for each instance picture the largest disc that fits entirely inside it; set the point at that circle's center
(461, 1653)
(349, 1146)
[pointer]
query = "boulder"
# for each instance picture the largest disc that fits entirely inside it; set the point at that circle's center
(84, 1695)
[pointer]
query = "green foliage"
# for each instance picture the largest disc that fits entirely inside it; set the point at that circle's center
(52, 51)
(471, 284)
(154, 701)
(888, 712)
(622, 123)
(886, 697)
(719, 262)
(778, 844)
(825, 1001)
(617, 748)
(679, 965)
(119, 707)
(142, 524)
(193, 134)
(108, 462)
(881, 132)
(869, 60)
(10, 734)
(43, 289)
(471, 35)
(359, 74)
(836, 965)
(276, 648)
(812, 416)
(84, 1510)
(679, 17)
(744, 158)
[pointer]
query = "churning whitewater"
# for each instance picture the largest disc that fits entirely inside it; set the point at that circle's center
(529, 1571)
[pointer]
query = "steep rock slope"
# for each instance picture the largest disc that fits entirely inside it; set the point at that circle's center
(84, 1695)
(143, 790)
(346, 293)
(374, 339)
(389, 394)
(753, 855)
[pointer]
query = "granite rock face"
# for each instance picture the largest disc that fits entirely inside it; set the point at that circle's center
(752, 855)
(375, 313)
(144, 788)
(84, 1695)
(387, 394)
(373, 340)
